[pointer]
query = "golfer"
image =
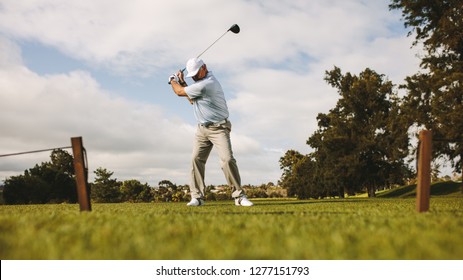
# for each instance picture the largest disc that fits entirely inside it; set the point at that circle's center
(213, 129)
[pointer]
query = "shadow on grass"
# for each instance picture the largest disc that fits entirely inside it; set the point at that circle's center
(437, 189)
(311, 201)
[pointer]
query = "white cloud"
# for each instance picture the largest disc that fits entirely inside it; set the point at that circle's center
(10, 54)
(272, 72)
(41, 112)
(135, 35)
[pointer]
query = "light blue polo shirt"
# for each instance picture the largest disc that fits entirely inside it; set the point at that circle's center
(208, 100)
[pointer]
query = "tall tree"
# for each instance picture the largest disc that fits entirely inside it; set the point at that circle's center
(358, 144)
(333, 146)
(435, 96)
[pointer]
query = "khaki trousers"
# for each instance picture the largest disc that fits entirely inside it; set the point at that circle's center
(205, 139)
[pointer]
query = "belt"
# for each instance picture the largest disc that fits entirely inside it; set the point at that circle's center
(207, 124)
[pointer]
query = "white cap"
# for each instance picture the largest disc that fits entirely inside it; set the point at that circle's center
(193, 65)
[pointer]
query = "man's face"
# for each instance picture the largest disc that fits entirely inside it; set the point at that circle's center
(202, 72)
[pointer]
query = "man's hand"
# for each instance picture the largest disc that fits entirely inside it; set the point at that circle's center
(179, 85)
(173, 77)
(181, 79)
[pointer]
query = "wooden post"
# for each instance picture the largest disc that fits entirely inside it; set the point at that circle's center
(423, 188)
(83, 193)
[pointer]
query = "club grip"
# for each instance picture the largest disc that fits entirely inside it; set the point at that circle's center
(183, 70)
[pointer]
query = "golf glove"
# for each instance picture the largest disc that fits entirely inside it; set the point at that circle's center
(173, 76)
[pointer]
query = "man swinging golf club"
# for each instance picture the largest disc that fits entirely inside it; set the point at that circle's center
(213, 129)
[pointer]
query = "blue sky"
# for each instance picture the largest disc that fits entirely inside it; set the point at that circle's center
(46, 60)
(98, 69)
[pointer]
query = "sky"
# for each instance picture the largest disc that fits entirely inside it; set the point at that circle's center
(99, 70)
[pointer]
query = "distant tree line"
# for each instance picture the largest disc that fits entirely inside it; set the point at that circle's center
(106, 189)
(361, 145)
(54, 182)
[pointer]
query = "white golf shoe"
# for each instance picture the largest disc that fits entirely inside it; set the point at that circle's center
(196, 202)
(243, 201)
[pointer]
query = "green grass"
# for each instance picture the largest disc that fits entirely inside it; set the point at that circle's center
(437, 189)
(357, 228)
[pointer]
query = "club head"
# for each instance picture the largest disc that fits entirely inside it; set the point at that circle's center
(234, 28)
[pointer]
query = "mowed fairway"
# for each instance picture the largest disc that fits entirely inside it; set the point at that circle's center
(273, 229)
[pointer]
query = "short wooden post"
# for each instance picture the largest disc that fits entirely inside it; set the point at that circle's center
(83, 193)
(423, 188)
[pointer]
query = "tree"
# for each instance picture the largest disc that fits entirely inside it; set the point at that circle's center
(62, 161)
(105, 189)
(48, 182)
(360, 144)
(134, 191)
(298, 174)
(26, 189)
(287, 163)
(168, 185)
(435, 96)
(59, 174)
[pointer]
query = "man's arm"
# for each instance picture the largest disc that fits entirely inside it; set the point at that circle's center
(179, 87)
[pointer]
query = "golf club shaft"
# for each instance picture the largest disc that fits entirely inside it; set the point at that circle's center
(212, 44)
(234, 28)
(199, 55)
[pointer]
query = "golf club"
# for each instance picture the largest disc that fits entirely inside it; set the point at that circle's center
(234, 28)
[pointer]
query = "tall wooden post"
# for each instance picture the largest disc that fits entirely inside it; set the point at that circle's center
(83, 193)
(423, 188)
